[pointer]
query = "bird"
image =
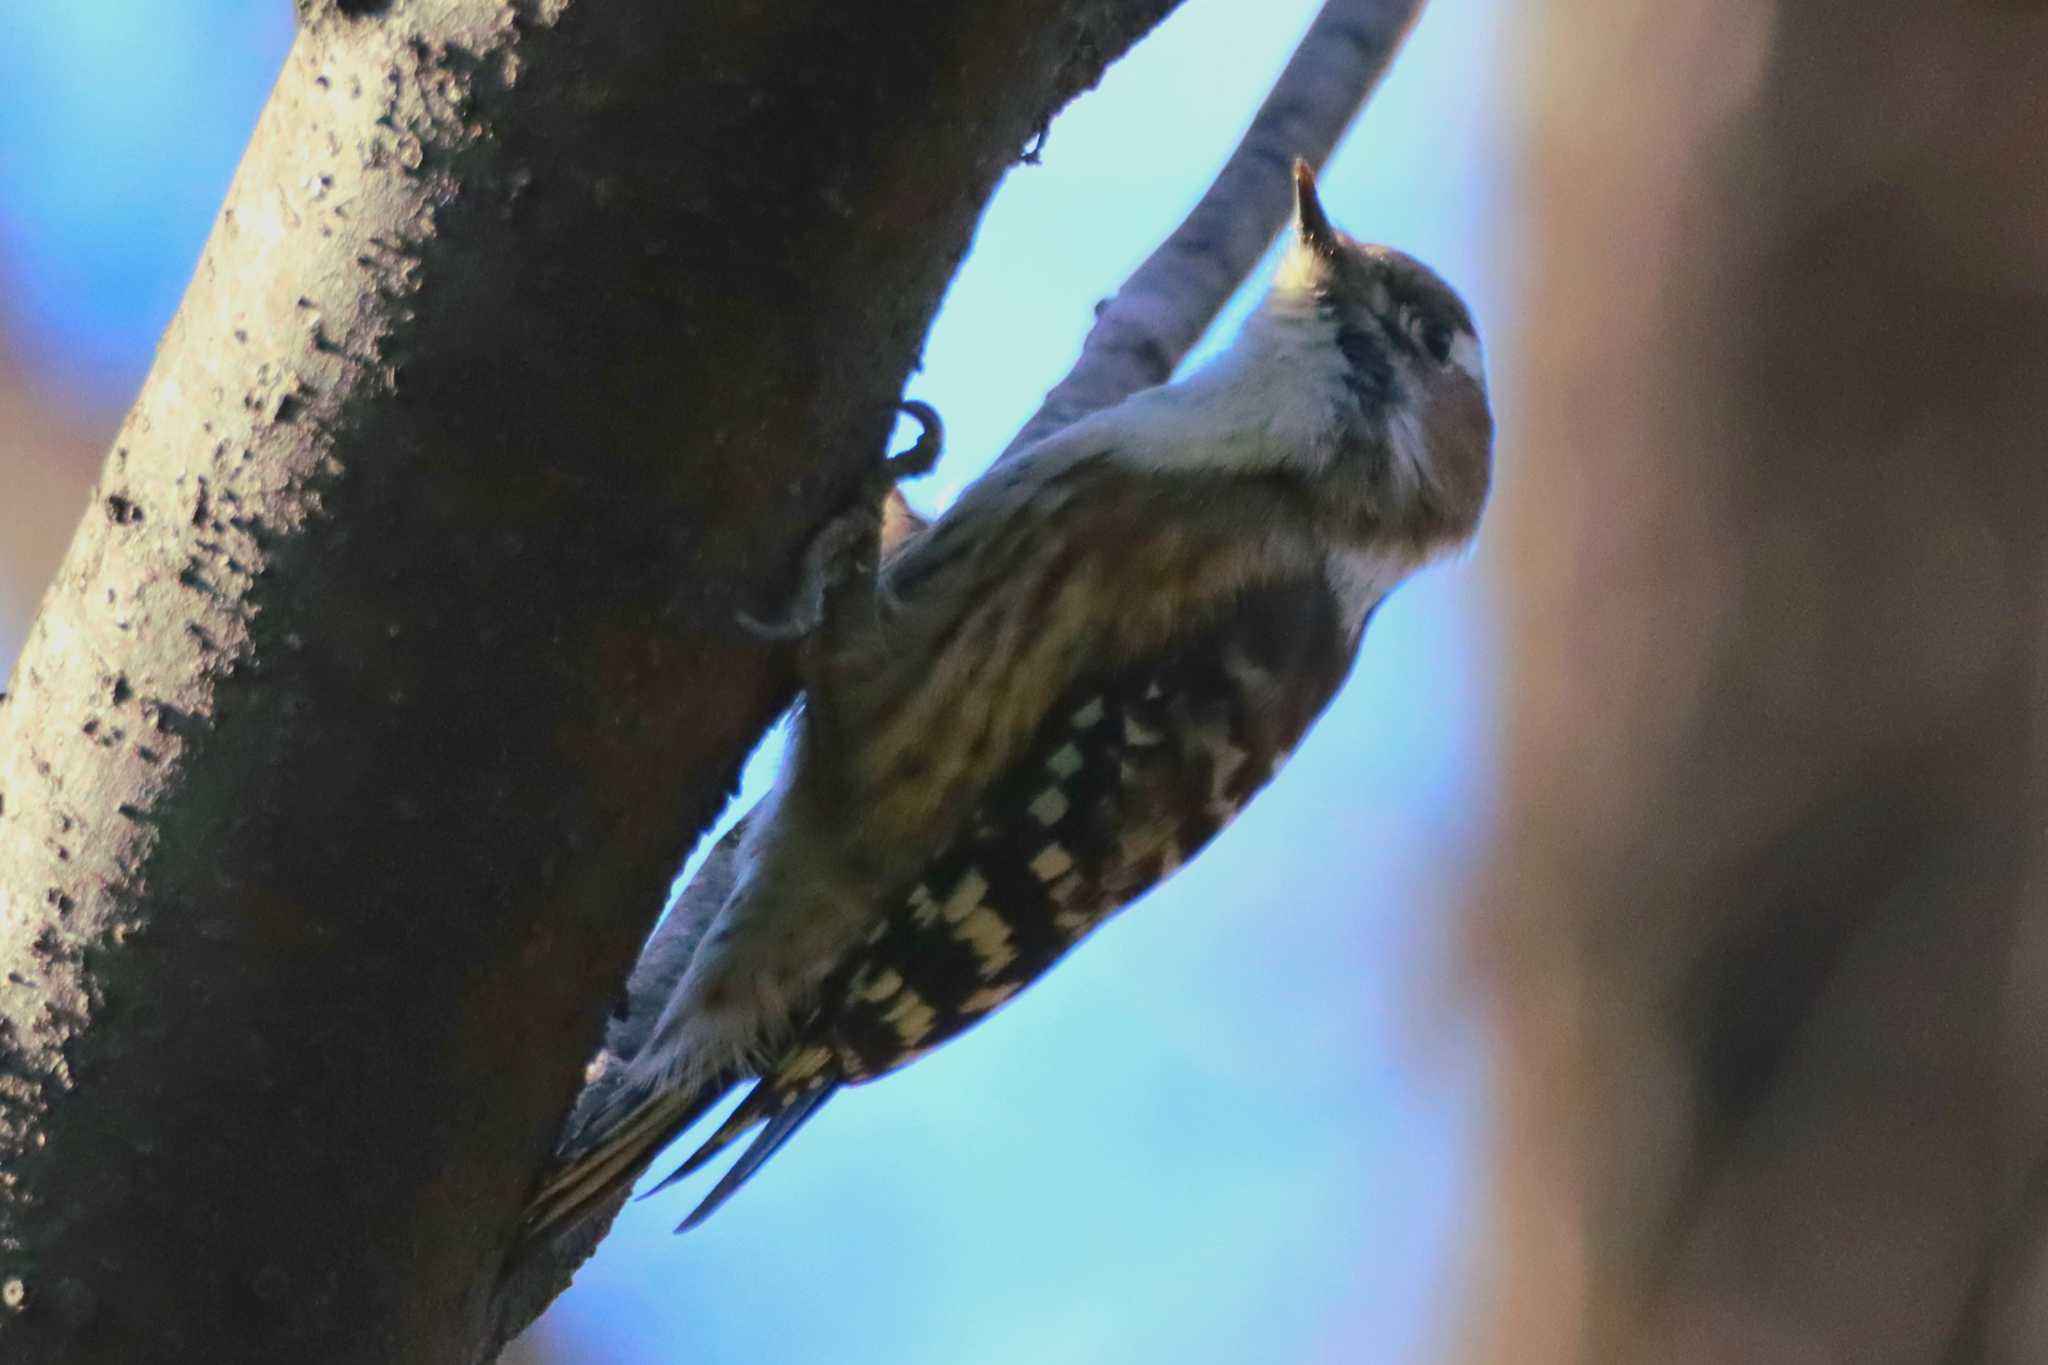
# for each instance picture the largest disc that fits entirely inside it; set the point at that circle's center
(1053, 697)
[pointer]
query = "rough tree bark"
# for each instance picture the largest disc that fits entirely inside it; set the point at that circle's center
(1139, 338)
(1767, 911)
(393, 669)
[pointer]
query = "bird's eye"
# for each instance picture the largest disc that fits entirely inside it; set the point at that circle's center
(1437, 339)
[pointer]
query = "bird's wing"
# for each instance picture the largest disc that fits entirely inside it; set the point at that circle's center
(1132, 773)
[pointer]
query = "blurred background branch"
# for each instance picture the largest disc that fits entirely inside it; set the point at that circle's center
(52, 452)
(1765, 915)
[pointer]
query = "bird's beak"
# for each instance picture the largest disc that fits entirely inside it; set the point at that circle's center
(1309, 219)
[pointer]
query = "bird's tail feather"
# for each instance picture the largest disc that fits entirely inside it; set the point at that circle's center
(785, 1111)
(618, 1143)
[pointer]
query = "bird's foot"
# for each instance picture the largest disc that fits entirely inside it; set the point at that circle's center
(845, 550)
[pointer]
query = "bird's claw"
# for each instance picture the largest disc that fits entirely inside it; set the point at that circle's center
(829, 560)
(923, 453)
(790, 627)
(845, 548)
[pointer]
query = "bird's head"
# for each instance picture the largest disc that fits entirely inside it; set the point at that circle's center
(1401, 361)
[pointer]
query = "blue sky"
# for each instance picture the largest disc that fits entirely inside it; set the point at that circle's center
(1242, 1122)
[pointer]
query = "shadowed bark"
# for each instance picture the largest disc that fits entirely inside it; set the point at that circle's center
(1766, 914)
(393, 670)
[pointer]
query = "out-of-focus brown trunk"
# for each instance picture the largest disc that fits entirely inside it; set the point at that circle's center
(1764, 922)
(47, 462)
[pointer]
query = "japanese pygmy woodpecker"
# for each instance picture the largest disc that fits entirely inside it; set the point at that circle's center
(1059, 692)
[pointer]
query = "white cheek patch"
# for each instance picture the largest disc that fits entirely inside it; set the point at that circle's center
(1467, 356)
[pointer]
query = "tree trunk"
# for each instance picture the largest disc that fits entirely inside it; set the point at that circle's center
(1766, 913)
(394, 667)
